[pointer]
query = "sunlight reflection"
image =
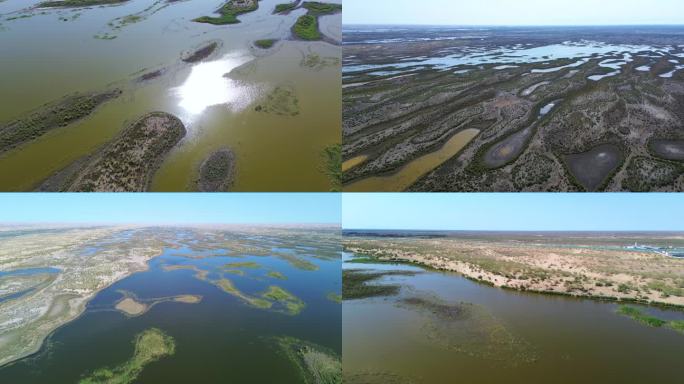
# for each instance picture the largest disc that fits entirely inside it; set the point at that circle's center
(207, 86)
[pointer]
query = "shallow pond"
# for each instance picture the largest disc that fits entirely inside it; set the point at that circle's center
(415, 169)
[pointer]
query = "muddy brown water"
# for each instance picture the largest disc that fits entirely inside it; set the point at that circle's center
(415, 169)
(518, 338)
(45, 58)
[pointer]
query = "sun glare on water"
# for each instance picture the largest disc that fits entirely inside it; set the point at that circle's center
(207, 85)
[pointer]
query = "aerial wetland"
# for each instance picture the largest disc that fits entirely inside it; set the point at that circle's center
(512, 307)
(170, 95)
(170, 305)
(552, 108)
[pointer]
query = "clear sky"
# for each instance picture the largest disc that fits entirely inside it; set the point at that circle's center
(170, 208)
(515, 211)
(513, 12)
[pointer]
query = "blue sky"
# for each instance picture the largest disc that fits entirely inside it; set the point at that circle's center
(513, 12)
(514, 211)
(170, 208)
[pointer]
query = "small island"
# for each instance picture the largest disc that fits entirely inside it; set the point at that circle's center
(229, 12)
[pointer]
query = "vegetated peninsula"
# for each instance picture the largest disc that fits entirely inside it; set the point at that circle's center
(52, 116)
(513, 109)
(598, 265)
(306, 27)
(229, 12)
(129, 162)
(51, 285)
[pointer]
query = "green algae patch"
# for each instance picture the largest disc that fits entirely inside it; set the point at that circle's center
(640, 316)
(356, 284)
(316, 365)
(281, 101)
(335, 297)
(238, 272)
(316, 62)
(650, 320)
(332, 156)
(292, 304)
(276, 275)
(229, 12)
(469, 329)
(150, 346)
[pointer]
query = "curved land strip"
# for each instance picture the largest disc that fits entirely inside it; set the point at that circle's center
(77, 3)
(26, 321)
(150, 346)
(316, 365)
(131, 306)
(591, 267)
(201, 53)
(396, 111)
(51, 116)
(306, 26)
(230, 11)
(216, 172)
(129, 162)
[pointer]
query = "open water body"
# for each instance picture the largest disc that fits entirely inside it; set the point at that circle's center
(219, 340)
(45, 58)
(555, 339)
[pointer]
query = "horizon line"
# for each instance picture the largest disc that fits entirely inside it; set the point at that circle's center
(99, 223)
(517, 230)
(515, 25)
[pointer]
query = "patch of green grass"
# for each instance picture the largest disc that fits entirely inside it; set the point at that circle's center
(306, 28)
(333, 166)
(150, 345)
(229, 13)
(242, 264)
(317, 8)
(293, 305)
(316, 365)
(265, 43)
(235, 272)
(280, 8)
(298, 262)
(640, 316)
(677, 325)
(276, 275)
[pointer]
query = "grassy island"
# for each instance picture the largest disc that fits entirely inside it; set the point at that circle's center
(150, 345)
(229, 12)
(77, 3)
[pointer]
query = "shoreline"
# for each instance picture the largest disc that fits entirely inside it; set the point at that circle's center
(430, 266)
(43, 342)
